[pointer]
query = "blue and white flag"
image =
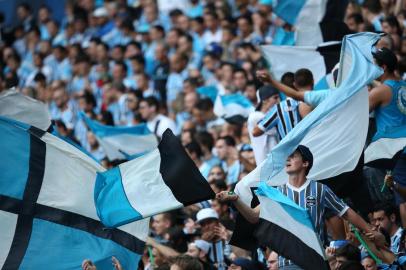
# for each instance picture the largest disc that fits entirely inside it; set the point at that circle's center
(17, 106)
(231, 105)
(335, 131)
(161, 180)
(122, 142)
(47, 212)
(315, 21)
(288, 10)
(384, 147)
(287, 229)
(210, 91)
(320, 60)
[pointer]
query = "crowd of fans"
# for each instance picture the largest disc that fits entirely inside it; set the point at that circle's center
(129, 62)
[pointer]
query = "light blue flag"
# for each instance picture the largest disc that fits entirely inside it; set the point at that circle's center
(336, 130)
(327, 82)
(288, 10)
(122, 142)
(385, 145)
(47, 213)
(208, 91)
(287, 228)
(230, 105)
(283, 37)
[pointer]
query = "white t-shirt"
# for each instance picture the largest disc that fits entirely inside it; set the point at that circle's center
(263, 144)
(164, 123)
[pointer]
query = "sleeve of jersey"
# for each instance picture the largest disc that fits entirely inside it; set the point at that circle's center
(314, 98)
(270, 120)
(334, 203)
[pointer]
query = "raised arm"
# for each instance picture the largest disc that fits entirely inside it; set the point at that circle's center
(250, 214)
(266, 78)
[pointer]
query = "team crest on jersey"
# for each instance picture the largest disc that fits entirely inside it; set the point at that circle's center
(310, 201)
(401, 102)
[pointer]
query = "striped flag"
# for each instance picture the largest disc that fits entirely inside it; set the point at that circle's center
(287, 229)
(385, 146)
(320, 60)
(335, 131)
(122, 142)
(315, 21)
(232, 105)
(47, 212)
(161, 180)
(15, 105)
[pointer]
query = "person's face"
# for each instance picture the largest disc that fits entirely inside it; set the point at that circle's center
(339, 261)
(59, 98)
(184, 45)
(210, 22)
(273, 261)
(352, 25)
(91, 139)
(216, 173)
(183, 23)
(160, 224)
(186, 138)
(218, 207)
(118, 72)
(369, 264)
(190, 102)
(222, 149)
(198, 116)
(132, 102)
(239, 80)
(22, 13)
(227, 73)
(209, 63)
(145, 110)
(381, 220)
(270, 102)
(192, 250)
(386, 28)
(142, 82)
(172, 38)
(175, 267)
(150, 13)
(249, 155)
(208, 225)
(101, 52)
(244, 27)
(234, 267)
(176, 63)
(196, 27)
(295, 164)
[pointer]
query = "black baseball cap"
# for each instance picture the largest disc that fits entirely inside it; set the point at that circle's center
(384, 56)
(265, 92)
(306, 155)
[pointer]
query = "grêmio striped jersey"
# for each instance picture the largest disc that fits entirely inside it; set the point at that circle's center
(285, 116)
(316, 198)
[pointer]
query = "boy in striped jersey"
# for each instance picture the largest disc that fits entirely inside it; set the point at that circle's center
(287, 114)
(311, 195)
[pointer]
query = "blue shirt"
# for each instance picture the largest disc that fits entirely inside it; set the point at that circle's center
(314, 98)
(393, 114)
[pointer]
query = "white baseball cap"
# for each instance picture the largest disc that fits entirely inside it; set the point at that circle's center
(206, 213)
(100, 12)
